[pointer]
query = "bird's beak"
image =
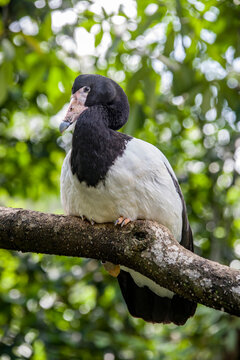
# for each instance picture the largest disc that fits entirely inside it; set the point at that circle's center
(76, 107)
(64, 125)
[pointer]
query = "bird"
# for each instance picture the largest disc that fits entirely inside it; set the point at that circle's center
(109, 176)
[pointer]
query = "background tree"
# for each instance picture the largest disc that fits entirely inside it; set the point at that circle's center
(179, 63)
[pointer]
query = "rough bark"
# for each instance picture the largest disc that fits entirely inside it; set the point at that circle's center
(144, 246)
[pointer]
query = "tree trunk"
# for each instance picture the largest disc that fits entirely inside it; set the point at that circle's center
(144, 246)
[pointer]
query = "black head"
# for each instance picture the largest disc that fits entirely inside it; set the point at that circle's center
(105, 92)
(102, 90)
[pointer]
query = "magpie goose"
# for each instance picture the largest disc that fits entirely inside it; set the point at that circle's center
(109, 176)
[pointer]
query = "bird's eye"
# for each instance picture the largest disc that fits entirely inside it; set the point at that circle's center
(86, 89)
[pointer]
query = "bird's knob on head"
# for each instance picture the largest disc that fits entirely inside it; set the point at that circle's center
(76, 107)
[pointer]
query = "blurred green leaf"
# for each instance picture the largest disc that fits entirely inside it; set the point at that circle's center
(162, 55)
(4, 2)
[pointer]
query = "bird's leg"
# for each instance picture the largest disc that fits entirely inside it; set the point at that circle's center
(92, 222)
(111, 268)
(122, 221)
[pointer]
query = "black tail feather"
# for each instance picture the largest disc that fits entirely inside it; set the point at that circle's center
(145, 304)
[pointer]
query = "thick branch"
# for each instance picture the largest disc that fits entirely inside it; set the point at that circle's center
(144, 246)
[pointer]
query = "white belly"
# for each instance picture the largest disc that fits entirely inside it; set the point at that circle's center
(136, 187)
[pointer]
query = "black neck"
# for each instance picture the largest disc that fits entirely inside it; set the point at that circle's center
(118, 112)
(95, 147)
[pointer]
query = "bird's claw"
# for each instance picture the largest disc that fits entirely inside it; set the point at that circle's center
(125, 222)
(122, 221)
(119, 221)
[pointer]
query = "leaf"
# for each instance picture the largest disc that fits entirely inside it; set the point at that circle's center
(45, 30)
(4, 2)
(206, 101)
(169, 46)
(3, 92)
(5, 80)
(98, 38)
(35, 81)
(8, 49)
(183, 79)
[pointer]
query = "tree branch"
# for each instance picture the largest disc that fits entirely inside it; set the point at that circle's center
(144, 246)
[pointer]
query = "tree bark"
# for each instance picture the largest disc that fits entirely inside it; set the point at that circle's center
(144, 246)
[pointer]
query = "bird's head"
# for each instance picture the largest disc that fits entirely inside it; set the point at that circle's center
(93, 91)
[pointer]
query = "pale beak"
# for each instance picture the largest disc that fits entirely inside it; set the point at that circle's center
(63, 126)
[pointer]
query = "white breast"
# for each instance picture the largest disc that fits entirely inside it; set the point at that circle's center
(137, 186)
(95, 203)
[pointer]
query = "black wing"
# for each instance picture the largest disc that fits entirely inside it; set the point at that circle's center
(144, 303)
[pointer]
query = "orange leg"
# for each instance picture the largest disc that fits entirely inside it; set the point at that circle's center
(111, 268)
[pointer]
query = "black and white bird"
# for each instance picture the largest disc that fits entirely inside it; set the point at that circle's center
(108, 176)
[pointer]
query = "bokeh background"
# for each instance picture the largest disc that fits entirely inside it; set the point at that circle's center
(179, 63)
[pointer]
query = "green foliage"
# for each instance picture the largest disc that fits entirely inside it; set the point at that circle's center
(179, 65)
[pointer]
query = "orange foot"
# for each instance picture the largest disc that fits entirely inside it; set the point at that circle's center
(111, 268)
(122, 221)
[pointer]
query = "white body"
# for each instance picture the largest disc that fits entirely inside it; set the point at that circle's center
(137, 186)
